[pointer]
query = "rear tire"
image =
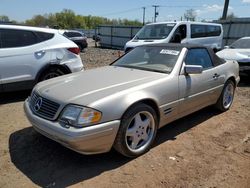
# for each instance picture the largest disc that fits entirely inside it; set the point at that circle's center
(226, 98)
(137, 131)
(51, 73)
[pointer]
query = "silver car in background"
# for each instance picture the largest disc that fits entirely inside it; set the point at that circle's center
(238, 51)
(124, 104)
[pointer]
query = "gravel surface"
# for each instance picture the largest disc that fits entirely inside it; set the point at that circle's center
(205, 149)
(96, 57)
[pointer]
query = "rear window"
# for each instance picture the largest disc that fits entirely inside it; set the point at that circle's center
(42, 36)
(72, 34)
(11, 38)
(198, 31)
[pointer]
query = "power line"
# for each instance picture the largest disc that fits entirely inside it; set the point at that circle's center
(121, 12)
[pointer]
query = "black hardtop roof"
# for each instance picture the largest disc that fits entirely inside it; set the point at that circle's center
(215, 59)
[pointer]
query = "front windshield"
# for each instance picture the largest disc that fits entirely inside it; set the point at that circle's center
(150, 58)
(155, 31)
(241, 43)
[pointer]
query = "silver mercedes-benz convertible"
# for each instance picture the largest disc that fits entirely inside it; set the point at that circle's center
(124, 104)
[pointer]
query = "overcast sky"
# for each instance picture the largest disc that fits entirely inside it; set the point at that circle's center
(130, 9)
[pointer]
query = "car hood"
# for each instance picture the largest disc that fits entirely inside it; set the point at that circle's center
(241, 55)
(89, 86)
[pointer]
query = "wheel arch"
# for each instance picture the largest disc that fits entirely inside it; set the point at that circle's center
(148, 101)
(45, 68)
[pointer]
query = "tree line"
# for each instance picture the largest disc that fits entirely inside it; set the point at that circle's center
(67, 19)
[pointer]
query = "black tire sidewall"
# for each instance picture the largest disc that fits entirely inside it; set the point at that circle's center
(126, 119)
(51, 70)
(219, 104)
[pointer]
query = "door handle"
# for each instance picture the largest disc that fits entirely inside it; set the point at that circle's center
(215, 76)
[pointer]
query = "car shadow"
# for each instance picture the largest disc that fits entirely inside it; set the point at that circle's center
(11, 97)
(172, 130)
(48, 164)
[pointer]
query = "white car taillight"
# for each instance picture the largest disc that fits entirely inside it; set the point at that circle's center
(74, 50)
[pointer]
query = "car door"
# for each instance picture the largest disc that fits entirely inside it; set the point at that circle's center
(198, 90)
(17, 55)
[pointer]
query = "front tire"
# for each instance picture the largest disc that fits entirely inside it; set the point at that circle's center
(137, 131)
(226, 98)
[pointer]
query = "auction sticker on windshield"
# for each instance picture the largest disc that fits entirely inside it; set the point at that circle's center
(169, 52)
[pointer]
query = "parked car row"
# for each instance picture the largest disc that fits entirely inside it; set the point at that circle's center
(126, 102)
(207, 34)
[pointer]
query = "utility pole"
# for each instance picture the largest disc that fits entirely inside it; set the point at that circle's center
(156, 13)
(224, 15)
(143, 16)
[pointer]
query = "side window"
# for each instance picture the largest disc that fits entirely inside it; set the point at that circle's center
(179, 34)
(199, 56)
(198, 31)
(213, 30)
(67, 34)
(42, 36)
(17, 38)
(75, 34)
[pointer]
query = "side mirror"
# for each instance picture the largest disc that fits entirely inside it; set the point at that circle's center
(193, 69)
(226, 47)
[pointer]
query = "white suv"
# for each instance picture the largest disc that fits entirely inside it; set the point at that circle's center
(30, 54)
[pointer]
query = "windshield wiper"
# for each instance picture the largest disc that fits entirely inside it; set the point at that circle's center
(143, 68)
(126, 66)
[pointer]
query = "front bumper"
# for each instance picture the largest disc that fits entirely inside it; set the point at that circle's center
(89, 140)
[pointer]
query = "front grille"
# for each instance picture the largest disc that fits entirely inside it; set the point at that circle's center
(43, 107)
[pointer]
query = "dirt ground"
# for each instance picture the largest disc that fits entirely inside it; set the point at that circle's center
(205, 149)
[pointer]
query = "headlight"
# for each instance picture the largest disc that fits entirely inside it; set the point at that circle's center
(80, 116)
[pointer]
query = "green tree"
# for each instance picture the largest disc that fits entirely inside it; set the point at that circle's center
(67, 19)
(4, 18)
(190, 15)
(37, 20)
